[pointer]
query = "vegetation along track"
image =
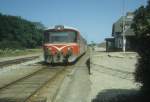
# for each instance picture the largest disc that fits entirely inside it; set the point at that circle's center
(17, 61)
(23, 89)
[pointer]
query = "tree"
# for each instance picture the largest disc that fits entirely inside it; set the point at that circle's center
(19, 32)
(141, 26)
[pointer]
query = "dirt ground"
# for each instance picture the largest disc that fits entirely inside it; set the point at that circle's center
(112, 73)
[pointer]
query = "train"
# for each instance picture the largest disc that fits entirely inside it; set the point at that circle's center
(63, 45)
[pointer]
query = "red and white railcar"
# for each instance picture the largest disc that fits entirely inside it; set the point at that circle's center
(63, 45)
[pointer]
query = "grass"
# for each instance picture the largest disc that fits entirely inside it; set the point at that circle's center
(18, 52)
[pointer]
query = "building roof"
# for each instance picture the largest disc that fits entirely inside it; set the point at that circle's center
(62, 26)
(109, 39)
(117, 26)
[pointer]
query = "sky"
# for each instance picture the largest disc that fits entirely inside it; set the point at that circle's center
(93, 18)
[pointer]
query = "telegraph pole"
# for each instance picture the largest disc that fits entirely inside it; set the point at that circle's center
(123, 29)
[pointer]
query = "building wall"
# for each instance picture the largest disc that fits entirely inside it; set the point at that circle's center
(118, 42)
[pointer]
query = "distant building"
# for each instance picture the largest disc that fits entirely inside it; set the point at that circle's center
(117, 33)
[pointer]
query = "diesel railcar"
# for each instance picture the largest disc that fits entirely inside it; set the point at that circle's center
(63, 45)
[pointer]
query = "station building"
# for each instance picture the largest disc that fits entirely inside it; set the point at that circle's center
(115, 43)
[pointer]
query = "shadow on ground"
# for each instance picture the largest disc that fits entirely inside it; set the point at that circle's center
(121, 95)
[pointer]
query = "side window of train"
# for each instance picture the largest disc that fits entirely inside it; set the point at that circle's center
(76, 38)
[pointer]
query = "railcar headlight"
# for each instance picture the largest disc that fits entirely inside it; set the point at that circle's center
(69, 51)
(69, 48)
(49, 49)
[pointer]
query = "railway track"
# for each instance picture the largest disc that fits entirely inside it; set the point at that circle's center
(24, 89)
(39, 86)
(17, 61)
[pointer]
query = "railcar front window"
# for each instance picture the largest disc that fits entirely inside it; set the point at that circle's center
(62, 37)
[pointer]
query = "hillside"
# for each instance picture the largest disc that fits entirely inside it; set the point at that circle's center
(18, 33)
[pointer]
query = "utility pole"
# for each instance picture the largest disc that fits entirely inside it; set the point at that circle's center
(145, 3)
(123, 29)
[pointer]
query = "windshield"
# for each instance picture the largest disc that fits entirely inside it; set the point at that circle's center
(65, 36)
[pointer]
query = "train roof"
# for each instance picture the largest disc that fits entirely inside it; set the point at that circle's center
(61, 27)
